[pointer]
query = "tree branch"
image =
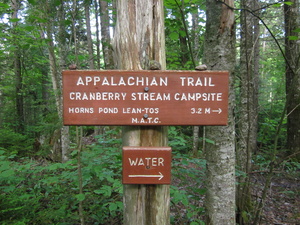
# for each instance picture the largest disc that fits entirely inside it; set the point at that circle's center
(186, 32)
(265, 25)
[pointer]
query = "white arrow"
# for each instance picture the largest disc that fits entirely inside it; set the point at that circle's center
(218, 111)
(160, 176)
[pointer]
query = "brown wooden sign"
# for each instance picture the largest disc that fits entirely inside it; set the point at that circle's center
(145, 97)
(147, 165)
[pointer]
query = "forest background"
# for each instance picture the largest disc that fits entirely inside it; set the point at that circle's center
(53, 174)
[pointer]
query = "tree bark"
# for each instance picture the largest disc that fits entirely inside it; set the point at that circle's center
(195, 35)
(292, 51)
(89, 35)
(248, 104)
(56, 81)
(97, 34)
(195, 140)
(17, 70)
(105, 35)
(139, 38)
(196, 48)
(219, 54)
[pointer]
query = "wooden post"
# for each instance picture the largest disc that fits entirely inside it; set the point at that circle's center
(139, 40)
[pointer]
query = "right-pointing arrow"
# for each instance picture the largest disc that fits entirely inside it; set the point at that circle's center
(160, 176)
(218, 110)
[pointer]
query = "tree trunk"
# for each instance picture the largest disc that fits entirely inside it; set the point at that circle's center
(17, 70)
(139, 37)
(89, 35)
(195, 140)
(56, 84)
(97, 34)
(292, 51)
(105, 35)
(219, 54)
(195, 35)
(248, 120)
(196, 47)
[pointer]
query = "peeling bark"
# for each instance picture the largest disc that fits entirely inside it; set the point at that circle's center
(139, 39)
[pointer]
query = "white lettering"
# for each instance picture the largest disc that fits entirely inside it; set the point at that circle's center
(199, 81)
(88, 79)
(80, 81)
(198, 96)
(84, 96)
(81, 110)
(142, 96)
(207, 111)
(146, 161)
(133, 163)
(130, 81)
(161, 161)
(121, 81)
(141, 162)
(96, 80)
(105, 81)
(108, 110)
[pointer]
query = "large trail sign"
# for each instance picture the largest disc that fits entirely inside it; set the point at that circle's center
(154, 97)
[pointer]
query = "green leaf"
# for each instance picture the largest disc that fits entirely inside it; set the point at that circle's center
(32, 2)
(293, 38)
(182, 33)
(29, 28)
(296, 30)
(7, 173)
(80, 197)
(67, 22)
(174, 35)
(105, 190)
(112, 207)
(3, 5)
(5, 166)
(54, 166)
(210, 141)
(98, 191)
(288, 3)
(277, 5)
(14, 20)
(194, 223)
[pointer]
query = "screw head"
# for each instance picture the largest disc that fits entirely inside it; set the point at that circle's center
(146, 116)
(146, 89)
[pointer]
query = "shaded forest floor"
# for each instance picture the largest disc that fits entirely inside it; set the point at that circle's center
(282, 206)
(282, 203)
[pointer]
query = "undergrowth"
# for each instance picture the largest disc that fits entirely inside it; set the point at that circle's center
(39, 191)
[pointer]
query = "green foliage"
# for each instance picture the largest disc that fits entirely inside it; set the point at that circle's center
(180, 138)
(180, 30)
(188, 193)
(8, 140)
(40, 192)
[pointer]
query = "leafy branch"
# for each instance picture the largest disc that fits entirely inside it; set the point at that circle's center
(186, 31)
(252, 12)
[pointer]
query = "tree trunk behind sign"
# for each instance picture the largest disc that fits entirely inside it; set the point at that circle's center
(219, 54)
(89, 35)
(15, 5)
(292, 51)
(105, 35)
(248, 106)
(139, 38)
